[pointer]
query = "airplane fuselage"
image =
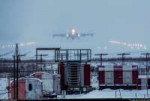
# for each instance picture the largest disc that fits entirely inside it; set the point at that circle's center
(72, 36)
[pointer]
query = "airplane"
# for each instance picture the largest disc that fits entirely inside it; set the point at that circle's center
(73, 34)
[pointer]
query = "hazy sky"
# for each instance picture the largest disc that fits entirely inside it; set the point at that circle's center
(35, 20)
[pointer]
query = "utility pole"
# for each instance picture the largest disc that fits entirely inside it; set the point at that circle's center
(16, 70)
(17, 53)
(123, 57)
(101, 57)
(122, 60)
(15, 56)
(147, 68)
(18, 59)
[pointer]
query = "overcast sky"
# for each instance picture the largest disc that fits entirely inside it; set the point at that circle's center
(36, 20)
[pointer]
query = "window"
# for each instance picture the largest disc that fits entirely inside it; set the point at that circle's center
(30, 87)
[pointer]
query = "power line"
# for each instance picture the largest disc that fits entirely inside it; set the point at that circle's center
(101, 56)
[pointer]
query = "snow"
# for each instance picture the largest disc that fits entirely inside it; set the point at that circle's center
(144, 76)
(108, 93)
(94, 81)
(3, 88)
(96, 94)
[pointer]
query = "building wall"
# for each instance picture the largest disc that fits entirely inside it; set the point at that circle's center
(87, 75)
(109, 75)
(47, 80)
(118, 75)
(101, 75)
(36, 91)
(61, 71)
(56, 85)
(127, 74)
(23, 89)
(135, 74)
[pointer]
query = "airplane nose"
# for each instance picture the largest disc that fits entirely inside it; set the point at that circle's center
(73, 31)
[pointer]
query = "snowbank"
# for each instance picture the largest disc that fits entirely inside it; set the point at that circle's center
(3, 88)
(108, 93)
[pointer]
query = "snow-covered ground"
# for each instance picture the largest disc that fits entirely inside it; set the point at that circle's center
(3, 88)
(106, 93)
(94, 81)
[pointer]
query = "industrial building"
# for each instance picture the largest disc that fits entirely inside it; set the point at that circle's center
(74, 70)
(116, 77)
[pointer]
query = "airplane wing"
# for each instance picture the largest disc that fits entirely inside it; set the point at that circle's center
(86, 34)
(59, 35)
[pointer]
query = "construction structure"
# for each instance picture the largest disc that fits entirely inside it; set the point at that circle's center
(75, 70)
